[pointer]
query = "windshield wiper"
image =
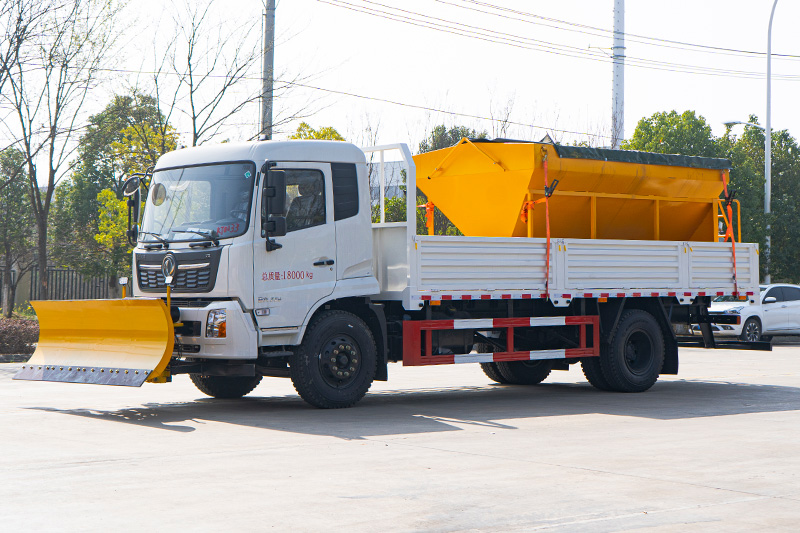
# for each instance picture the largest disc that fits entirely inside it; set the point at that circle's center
(158, 237)
(211, 236)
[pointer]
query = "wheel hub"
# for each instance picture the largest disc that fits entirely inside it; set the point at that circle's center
(638, 352)
(340, 361)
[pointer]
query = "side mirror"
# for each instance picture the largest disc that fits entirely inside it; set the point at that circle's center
(133, 234)
(131, 186)
(276, 226)
(272, 206)
(770, 300)
(275, 192)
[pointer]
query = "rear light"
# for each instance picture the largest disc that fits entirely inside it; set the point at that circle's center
(216, 326)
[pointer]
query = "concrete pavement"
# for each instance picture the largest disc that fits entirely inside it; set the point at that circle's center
(716, 448)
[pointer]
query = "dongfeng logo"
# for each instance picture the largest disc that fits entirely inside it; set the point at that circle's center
(168, 266)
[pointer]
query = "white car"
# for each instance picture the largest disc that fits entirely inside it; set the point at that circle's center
(778, 313)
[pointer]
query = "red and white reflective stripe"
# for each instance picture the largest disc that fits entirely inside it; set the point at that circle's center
(489, 323)
(436, 296)
(498, 357)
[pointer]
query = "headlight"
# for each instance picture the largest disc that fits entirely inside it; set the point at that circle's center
(734, 310)
(215, 324)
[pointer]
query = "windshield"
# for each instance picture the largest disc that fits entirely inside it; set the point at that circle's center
(198, 203)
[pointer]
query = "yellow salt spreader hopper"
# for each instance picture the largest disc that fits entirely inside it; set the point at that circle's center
(105, 342)
(491, 188)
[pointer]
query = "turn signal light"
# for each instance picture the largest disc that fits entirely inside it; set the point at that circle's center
(216, 324)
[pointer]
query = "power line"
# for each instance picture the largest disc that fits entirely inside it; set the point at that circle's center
(636, 38)
(364, 97)
(484, 34)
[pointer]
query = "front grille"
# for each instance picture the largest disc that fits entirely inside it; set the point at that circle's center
(195, 272)
(196, 278)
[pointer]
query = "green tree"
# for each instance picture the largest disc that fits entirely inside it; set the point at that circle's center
(327, 133)
(673, 133)
(115, 253)
(126, 137)
(17, 235)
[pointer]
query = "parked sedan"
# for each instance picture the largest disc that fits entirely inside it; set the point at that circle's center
(777, 313)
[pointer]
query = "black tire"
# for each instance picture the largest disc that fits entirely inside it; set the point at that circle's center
(225, 387)
(525, 372)
(328, 384)
(490, 369)
(594, 373)
(635, 354)
(751, 331)
(493, 373)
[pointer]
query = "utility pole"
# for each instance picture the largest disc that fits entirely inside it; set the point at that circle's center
(267, 71)
(618, 91)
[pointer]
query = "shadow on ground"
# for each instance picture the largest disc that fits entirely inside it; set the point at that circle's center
(398, 412)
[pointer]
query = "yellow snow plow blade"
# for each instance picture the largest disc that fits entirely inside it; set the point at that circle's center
(107, 342)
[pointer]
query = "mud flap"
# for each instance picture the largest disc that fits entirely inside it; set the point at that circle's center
(105, 342)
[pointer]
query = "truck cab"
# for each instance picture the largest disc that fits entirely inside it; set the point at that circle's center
(236, 286)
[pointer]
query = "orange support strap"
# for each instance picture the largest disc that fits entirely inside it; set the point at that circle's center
(547, 225)
(729, 230)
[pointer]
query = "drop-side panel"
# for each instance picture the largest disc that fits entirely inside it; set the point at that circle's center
(604, 264)
(482, 263)
(711, 265)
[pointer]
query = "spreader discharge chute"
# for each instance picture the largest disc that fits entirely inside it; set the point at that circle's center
(106, 342)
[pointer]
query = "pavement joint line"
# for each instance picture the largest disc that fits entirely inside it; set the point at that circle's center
(598, 471)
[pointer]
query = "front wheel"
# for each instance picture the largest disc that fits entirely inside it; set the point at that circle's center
(335, 364)
(751, 331)
(225, 386)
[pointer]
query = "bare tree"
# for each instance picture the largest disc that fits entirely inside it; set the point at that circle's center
(50, 79)
(501, 117)
(206, 72)
(209, 75)
(18, 19)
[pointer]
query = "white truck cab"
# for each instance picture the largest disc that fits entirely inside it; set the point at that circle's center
(205, 219)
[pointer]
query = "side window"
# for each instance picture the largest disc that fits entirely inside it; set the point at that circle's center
(345, 190)
(791, 293)
(775, 292)
(305, 199)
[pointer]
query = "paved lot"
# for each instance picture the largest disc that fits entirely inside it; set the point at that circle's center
(437, 449)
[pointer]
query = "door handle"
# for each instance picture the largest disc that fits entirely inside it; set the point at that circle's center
(325, 262)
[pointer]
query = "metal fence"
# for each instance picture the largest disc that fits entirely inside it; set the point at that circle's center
(65, 284)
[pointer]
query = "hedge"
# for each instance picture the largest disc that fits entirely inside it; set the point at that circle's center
(17, 335)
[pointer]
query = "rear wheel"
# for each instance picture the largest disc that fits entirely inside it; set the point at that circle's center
(594, 374)
(490, 369)
(525, 372)
(493, 373)
(225, 386)
(751, 331)
(336, 362)
(635, 354)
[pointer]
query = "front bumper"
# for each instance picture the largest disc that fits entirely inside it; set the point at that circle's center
(239, 341)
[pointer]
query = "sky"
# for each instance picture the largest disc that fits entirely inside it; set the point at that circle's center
(388, 71)
(546, 61)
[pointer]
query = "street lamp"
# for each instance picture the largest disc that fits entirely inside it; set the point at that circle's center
(767, 145)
